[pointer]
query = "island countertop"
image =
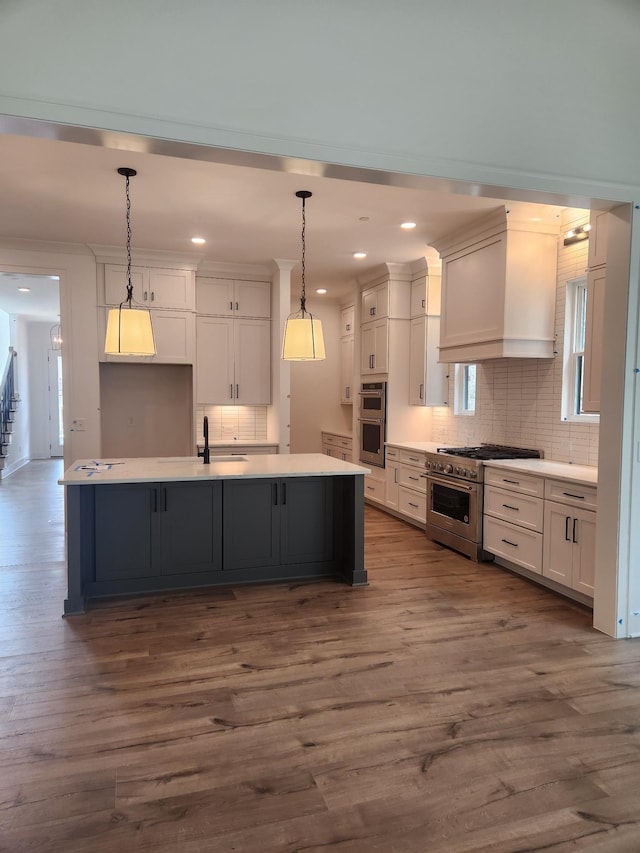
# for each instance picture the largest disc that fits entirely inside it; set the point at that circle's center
(184, 468)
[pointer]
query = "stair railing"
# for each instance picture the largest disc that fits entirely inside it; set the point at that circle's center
(8, 397)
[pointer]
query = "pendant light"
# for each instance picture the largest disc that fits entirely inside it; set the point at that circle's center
(129, 329)
(303, 339)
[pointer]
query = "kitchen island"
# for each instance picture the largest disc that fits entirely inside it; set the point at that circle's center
(151, 525)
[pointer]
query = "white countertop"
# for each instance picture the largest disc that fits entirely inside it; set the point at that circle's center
(423, 446)
(585, 475)
(182, 468)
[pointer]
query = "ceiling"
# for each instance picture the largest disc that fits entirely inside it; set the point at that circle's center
(71, 193)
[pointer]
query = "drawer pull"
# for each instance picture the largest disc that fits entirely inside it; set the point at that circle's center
(415, 506)
(508, 506)
(513, 482)
(577, 497)
(371, 488)
(513, 544)
(414, 458)
(414, 478)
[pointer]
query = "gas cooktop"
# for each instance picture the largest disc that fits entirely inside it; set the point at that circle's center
(491, 451)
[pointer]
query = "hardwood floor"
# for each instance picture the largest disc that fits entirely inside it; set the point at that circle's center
(446, 707)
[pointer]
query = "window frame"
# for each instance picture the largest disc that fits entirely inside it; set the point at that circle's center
(461, 387)
(576, 296)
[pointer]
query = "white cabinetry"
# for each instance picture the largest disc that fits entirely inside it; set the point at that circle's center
(570, 527)
(375, 302)
(170, 296)
(233, 341)
(545, 525)
(596, 282)
(498, 291)
(233, 361)
(337, 446)
(347, 354)
(154, 287)
(513, 518)
(374, 486)
(374, 347)
(406, 493)
(428, 379)
(225, 297)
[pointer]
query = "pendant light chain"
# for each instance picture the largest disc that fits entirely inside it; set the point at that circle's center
(303, 297)
(129, 284)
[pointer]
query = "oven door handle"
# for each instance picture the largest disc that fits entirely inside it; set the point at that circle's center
(371, 420)
(453, 484)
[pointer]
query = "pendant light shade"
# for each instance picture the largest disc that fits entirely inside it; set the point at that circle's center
(303, 339)
(129, 330)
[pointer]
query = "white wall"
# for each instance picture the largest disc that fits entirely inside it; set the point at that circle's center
(510, 93)
(315, 386)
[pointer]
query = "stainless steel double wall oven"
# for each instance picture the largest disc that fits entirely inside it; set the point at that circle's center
(372, 422)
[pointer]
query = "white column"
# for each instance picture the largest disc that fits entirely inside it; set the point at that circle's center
(617, 582)
(281, 370)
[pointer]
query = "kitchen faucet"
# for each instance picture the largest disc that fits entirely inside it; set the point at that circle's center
(205, 453)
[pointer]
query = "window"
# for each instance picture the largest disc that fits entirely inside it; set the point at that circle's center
(465, 389)
(574, 342)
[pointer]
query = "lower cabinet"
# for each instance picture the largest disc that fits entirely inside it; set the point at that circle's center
(338, 446)
(374, 485)
(406, 485)
(144, 530)
(546, 526)
(569, 546)
(277, 522)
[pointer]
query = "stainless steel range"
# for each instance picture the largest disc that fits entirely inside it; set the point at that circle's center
(454, 493)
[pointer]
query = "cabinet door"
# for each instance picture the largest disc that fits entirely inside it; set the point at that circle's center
(375, 347)
(169, 288)
(174, 333)
(252, 299)
(347, 317)
(419, 297)
(346, 369)
(593, 343)
(599, 221)
(251, 530)
(191, 516)
(583, 534)
(391, 493)
(306, 517)
(417, 361)
(252, 362)
(557, 563)
(132, 511)
(214, 360)
(214, 296)
(115, 284)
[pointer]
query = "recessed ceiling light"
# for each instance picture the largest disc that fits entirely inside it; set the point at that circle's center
(408, 225)
(198, 240)
(24, 289)
(321, 290)
(359, 255)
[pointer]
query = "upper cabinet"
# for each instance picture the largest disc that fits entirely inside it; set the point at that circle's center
(498, 290)
(347, 320)
(155, 287)
(593, 339)
(223, 297)
(428, 378)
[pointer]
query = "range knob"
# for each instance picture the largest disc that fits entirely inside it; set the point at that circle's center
(473, 475)
(448, 469)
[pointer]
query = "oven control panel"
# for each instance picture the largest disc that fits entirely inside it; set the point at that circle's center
(444, 467)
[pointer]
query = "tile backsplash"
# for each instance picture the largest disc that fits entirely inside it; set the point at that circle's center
(241, 423)
(518, 401)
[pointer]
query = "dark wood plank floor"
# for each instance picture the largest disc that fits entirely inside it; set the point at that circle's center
(446, 707)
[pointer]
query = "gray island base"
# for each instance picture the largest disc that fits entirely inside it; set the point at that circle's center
(151, 525)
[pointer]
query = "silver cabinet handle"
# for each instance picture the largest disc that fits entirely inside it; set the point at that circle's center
(421, 391)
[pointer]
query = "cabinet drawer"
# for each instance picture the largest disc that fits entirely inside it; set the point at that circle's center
(523, 510)
(412, 504)
(519, 546)
(413, 457)
(412, 478)
(374, 489)
(515, 481)
(392, 453)
(340, 441)
(569, 493)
